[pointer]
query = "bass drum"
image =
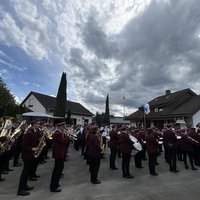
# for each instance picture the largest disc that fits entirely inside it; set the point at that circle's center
(136, 144)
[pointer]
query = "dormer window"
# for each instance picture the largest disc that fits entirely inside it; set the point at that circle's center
(31, 102)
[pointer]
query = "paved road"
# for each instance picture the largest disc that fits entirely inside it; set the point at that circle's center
(76, 186)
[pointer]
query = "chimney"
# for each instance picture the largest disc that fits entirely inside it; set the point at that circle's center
(167, 92)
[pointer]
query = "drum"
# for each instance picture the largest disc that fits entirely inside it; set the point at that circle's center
(136, 144)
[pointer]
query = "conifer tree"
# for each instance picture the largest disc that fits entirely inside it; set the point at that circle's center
(60, 108)
(107, 112)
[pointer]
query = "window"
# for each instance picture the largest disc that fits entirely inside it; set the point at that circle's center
(31, 102)
(160, 110)
(155, 109)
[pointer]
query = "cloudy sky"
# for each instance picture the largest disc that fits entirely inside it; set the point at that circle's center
(136, 48)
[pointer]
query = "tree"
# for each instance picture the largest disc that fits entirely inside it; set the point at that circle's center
(60, 108)
(7, 101)
(106, 116)
(69, 119)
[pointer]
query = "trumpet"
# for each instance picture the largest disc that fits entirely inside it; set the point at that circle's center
(70, 132)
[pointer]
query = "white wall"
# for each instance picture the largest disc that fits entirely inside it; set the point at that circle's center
(196, 118)
(81, 118)
(33, 104)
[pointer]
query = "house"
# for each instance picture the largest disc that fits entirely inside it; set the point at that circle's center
(118, 120)
(172, 108)
(38, 102)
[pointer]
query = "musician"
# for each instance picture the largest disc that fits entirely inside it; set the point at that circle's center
(152, 150)
(39, 133)
(188, 150)
(60, 140)
(2, 140)
(139, 135)
(114, 146)
(94, 153)
(170, 140)
(193, 134)
(126, 146)
(29, 146)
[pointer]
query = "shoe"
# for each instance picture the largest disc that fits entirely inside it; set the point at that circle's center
(129, 176)
(28, 188)
(36, 176)
(157, 163)
(17, 165)
(193, 168)
(32, 179)
(4, 172)
(96, 182)
(2, 179)
(56, 190)
(175, 170)
(9, 170)
(140, 167)
(114, 168)
(154, 174)
(186, 167)
(23, 193)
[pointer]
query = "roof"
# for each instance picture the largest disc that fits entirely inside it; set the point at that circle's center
(49, 103)
(182, 103)
(170, 97)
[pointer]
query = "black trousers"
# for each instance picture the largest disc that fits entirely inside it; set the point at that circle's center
(27, 168)
(126, 157)
(34, 167)
(152, 162)
(113, 154)
(57, 171)
(94, 168)
(138, 159)
(197, 155)
(191, 158)
(171, 158)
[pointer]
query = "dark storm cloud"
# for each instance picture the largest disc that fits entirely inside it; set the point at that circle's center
(155, 51)
(96, 40)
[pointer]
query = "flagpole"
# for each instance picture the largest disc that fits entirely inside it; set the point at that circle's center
(144, 121)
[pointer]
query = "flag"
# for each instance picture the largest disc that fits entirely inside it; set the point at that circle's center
(146, 108)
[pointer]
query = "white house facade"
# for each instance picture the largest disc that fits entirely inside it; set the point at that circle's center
(37, 102)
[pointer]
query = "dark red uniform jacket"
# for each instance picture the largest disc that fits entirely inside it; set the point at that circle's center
(169, 137)
(152, 144)
(186, 144)
(126, 145)
(29, 141)
(94, 148)
(3, 139)
(114, 139)
(60, 142)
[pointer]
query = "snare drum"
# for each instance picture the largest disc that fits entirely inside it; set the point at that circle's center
(136, 144)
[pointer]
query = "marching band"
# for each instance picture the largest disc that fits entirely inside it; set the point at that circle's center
(34, 140)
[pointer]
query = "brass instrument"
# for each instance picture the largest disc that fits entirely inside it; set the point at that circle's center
(42, 143)
(193, 140)
(100, 137)
(70, 132)
(12, 138)
(7, 125)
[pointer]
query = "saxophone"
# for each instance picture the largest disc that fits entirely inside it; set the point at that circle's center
(42, 143)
